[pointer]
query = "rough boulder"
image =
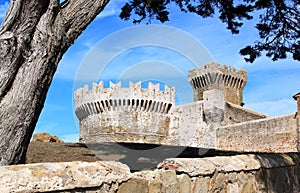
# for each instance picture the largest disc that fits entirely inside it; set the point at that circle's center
(46, 137)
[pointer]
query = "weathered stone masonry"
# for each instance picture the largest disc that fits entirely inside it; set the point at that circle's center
(109, 114)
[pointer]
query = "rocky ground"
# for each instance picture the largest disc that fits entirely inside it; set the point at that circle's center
(58, 152)
(135, 156)
(49, 148)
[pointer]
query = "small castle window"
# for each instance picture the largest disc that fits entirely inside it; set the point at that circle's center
(142, 103)
(169, 107)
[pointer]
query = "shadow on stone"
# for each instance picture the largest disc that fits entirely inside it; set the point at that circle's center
(148, 156)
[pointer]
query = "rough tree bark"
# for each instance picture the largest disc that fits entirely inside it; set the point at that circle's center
(33, 37)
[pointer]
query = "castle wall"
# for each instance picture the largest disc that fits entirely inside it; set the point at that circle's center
(187, 126)
(250, 173)
(274, 134)
(129, 127)
(237, 114)
(149, 116)
(298, 105)
(215, 120)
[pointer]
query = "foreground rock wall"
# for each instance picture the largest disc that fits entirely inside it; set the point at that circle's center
(241, 173)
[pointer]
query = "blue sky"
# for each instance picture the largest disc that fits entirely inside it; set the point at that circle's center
(269, 90)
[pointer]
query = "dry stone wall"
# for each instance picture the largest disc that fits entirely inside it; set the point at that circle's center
(231, 174)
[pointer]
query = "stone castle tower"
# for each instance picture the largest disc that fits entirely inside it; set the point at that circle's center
(213, 76)
(109, 114)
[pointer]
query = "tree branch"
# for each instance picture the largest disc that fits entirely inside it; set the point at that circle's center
(15, 35)
(74, 17)
(11, 15)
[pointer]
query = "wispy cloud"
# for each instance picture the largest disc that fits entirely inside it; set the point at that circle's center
(143, 43)
(54, 107)
(3, 9)
(265, 64)
(47, 127)
(70, 137)
(113, 8)
(69, 64)
(274, 108)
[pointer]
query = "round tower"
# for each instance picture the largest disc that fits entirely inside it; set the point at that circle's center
(213, 76)
(119, 114)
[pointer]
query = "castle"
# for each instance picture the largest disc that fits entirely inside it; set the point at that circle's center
(216, 119)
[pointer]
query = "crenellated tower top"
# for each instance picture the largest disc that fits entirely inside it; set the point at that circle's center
(214, 76)
(117, 98)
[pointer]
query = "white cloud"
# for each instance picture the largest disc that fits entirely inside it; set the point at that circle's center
(69, 65)
(3, 9)
(151, 37)
(54, 107)
(271, 85)
(112, 8)
(274, 108)
(70, 137)
(46, 127)
(266, 64)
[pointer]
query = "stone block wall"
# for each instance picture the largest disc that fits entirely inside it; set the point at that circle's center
(274, 134)
(187, 127)
(231, 174)
(128, 127)
(237, 114)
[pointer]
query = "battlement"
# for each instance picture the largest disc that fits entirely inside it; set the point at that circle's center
(117, 98)
(215, 73)
(215, 76)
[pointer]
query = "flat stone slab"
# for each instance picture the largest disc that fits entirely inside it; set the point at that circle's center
(248, 162)
(44, 177)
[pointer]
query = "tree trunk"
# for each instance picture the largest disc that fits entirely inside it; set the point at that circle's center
(33, 37)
